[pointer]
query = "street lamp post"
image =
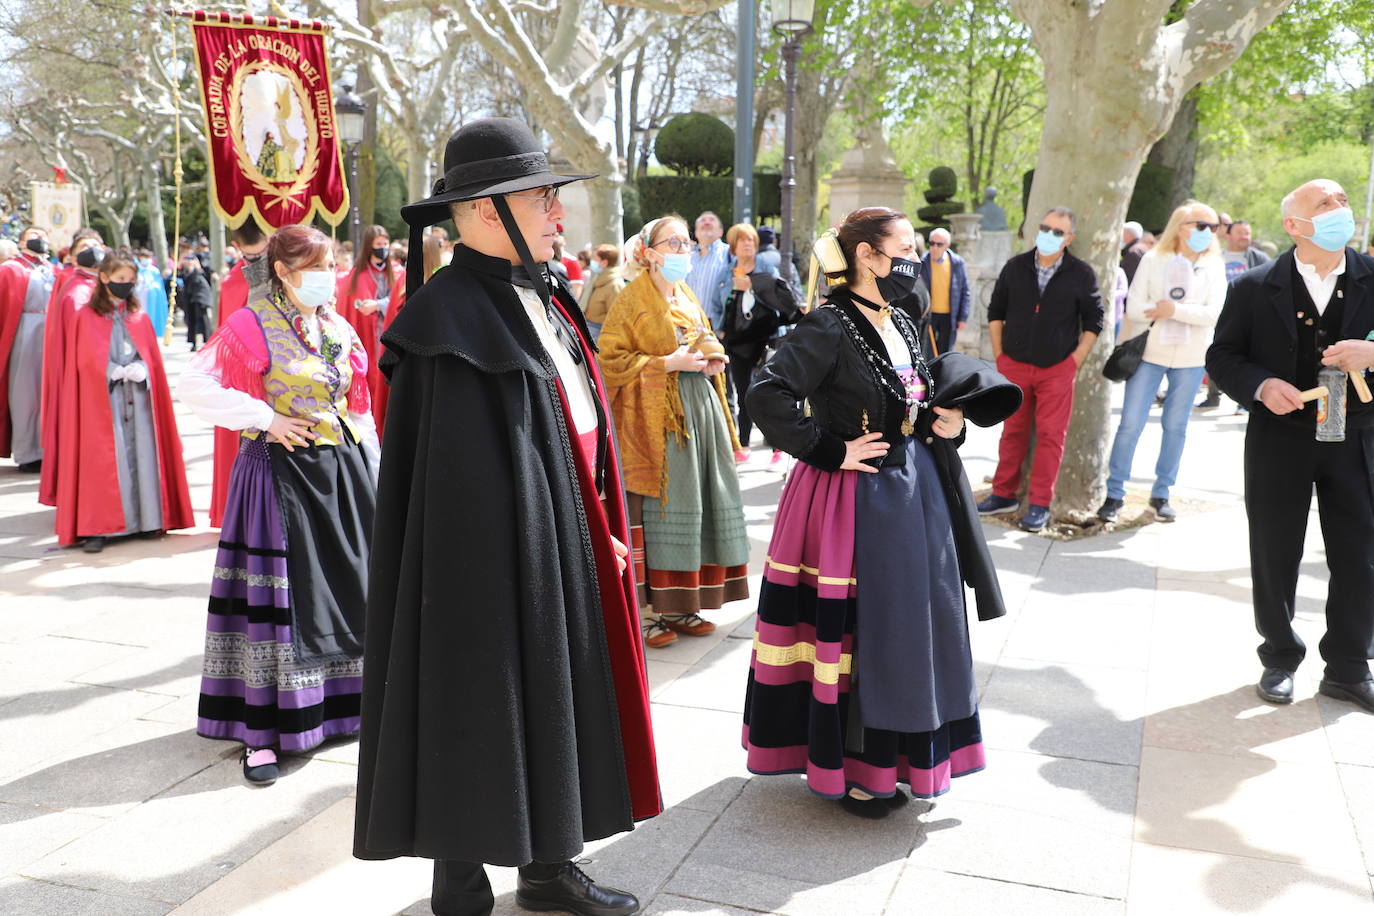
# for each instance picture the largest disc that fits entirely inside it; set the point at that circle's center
(791, 20)
(351, 114)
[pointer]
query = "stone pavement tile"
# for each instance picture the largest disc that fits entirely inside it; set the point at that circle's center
(642, 860)
(1233, 721)
(26, 897)
(663, 674)
(1198, 634)
(149, 618)
(923, 890)
(151, 670)
(1082, 633)
(112, 772)
(862, 895)
(700, 761)
(1357, 782)
(181, 711)
(312, 870)
(1246, 806)
(669, 905)
(688, 650)
(779, 827)
(1100, 796)
(1075, 711)
(335, 750)
(1078, 575)
(45, 724)
(1172, 880)
(715, 682)
(44, 661)
(1349, 729)
(149, 852)
(28, 834)
(988, 638)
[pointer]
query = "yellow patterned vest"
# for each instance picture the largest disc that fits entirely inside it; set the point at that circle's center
(302, 383)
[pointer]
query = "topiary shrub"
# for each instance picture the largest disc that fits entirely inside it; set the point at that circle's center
(696, 144)
(944, 184)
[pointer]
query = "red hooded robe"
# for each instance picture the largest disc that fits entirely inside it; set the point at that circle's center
(70, 292)
(233, 295)
(14, 286)
(367, 326)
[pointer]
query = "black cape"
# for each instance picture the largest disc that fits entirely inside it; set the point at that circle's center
(490, 729)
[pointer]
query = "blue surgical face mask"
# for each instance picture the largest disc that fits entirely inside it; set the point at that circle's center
(1200, 239)
(1048, 244)
(317, 287)
(676, 267)
(1332, 230)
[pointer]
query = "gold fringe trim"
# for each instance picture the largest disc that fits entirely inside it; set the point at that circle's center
(783, 656)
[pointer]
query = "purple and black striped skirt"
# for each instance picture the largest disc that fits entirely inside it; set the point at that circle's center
(253, 688)
(801, 711)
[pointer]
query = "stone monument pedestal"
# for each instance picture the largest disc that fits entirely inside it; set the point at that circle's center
(868, 176)
(984, 253)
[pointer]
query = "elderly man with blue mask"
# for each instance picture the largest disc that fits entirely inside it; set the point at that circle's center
(709, 266)
(1283, 322)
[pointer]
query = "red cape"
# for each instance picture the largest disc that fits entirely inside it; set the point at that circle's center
(14, 286)
(366, 325)
(88, 503)
(233, 295)
(70, 292)
(607, 518)
(381, 391)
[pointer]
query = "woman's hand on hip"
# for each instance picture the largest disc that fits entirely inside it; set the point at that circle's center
(291, 431)
(950, 422)
(857, 451)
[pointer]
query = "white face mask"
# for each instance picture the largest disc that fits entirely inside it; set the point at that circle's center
(445, 258)
(317, 287)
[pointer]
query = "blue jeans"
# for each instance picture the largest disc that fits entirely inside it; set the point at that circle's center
(1141, 389)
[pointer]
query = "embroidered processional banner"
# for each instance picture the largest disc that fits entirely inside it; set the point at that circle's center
(269, 120)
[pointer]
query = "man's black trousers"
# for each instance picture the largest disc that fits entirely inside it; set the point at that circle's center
(462, 888)
(1282, 464)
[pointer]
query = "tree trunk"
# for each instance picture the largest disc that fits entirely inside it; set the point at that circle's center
(417, 167)
(811, 114)
(604, 195)
(152, 196)
(367, 150)
(1177, 150)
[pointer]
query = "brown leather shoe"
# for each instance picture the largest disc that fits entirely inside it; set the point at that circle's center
(690, 624)
(657, 635)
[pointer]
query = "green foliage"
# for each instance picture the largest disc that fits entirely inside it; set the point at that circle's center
(630, 219)
(689, 197)
(696, 144)
(944, 184)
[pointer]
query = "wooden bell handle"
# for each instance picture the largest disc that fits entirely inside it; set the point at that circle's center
(1361, 386)
(1312, 394)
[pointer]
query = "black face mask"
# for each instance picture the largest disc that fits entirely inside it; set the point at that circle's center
(379, 254)
(89, 257)
(121, 291)
(37, 245)
(254, 258)
(900, 280)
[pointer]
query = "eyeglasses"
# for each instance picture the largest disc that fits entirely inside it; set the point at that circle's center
(1201, 225)
(1057, 233)
(675, 244)
(546, 199)
(938, 244)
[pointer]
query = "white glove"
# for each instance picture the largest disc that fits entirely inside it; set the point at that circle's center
(117, 373)
(136, 372)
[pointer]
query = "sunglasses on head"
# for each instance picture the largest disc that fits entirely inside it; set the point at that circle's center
(1057, 233)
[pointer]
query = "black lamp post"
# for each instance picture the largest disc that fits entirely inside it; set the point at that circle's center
(350, 111)
(791, 20)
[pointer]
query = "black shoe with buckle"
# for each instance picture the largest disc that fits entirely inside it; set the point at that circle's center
(570, 890)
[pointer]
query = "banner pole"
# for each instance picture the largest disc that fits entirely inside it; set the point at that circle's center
(176, 181)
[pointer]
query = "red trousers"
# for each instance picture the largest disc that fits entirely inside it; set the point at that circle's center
(1048, 401)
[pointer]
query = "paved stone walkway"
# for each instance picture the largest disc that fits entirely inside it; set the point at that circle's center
(1131, 767)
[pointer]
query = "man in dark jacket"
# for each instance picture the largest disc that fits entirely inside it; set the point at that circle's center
(1132, 248)
(505, 713)
(1044, 315)
(946, 279)
(194, 299)
(1282, 322)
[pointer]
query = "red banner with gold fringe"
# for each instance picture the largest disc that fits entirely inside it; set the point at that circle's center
(269, 120)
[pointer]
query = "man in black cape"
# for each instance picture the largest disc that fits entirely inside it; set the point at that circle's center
(505, 712)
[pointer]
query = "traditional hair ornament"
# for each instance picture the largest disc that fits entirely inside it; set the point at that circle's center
(635, 246)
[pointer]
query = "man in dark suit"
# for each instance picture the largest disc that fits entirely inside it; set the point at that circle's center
(1282, 321)
(946, 279)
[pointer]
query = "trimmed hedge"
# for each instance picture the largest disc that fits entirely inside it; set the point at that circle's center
(690, 197)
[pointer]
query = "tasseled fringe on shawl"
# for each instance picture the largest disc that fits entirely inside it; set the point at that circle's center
(359, 395)
(235, 363)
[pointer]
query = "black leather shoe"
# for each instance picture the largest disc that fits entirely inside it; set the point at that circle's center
(572, 891)
(1275, 686)
(31, 467)
(1163, 511)
(869, 808)
(899, 799)
(1361, 694)
(1110, 507)
(93, 545)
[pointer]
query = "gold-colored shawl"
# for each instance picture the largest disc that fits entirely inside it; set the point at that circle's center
(640, 329)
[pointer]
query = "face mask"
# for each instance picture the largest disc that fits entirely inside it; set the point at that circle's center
(446, 258)
(120, 291)
(254, 258)
(317, 287)
(900, 280)
(1332, 230)
(1200, 239)
(1048, 244)
(37, 245)
(379, 254)
(676, 267)
(89, 257)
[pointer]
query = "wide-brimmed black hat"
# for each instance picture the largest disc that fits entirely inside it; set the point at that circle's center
(484, 158)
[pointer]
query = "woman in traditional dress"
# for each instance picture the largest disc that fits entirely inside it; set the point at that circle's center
(283, 648)
(664, 367)
(862, 676)
(116, 420)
